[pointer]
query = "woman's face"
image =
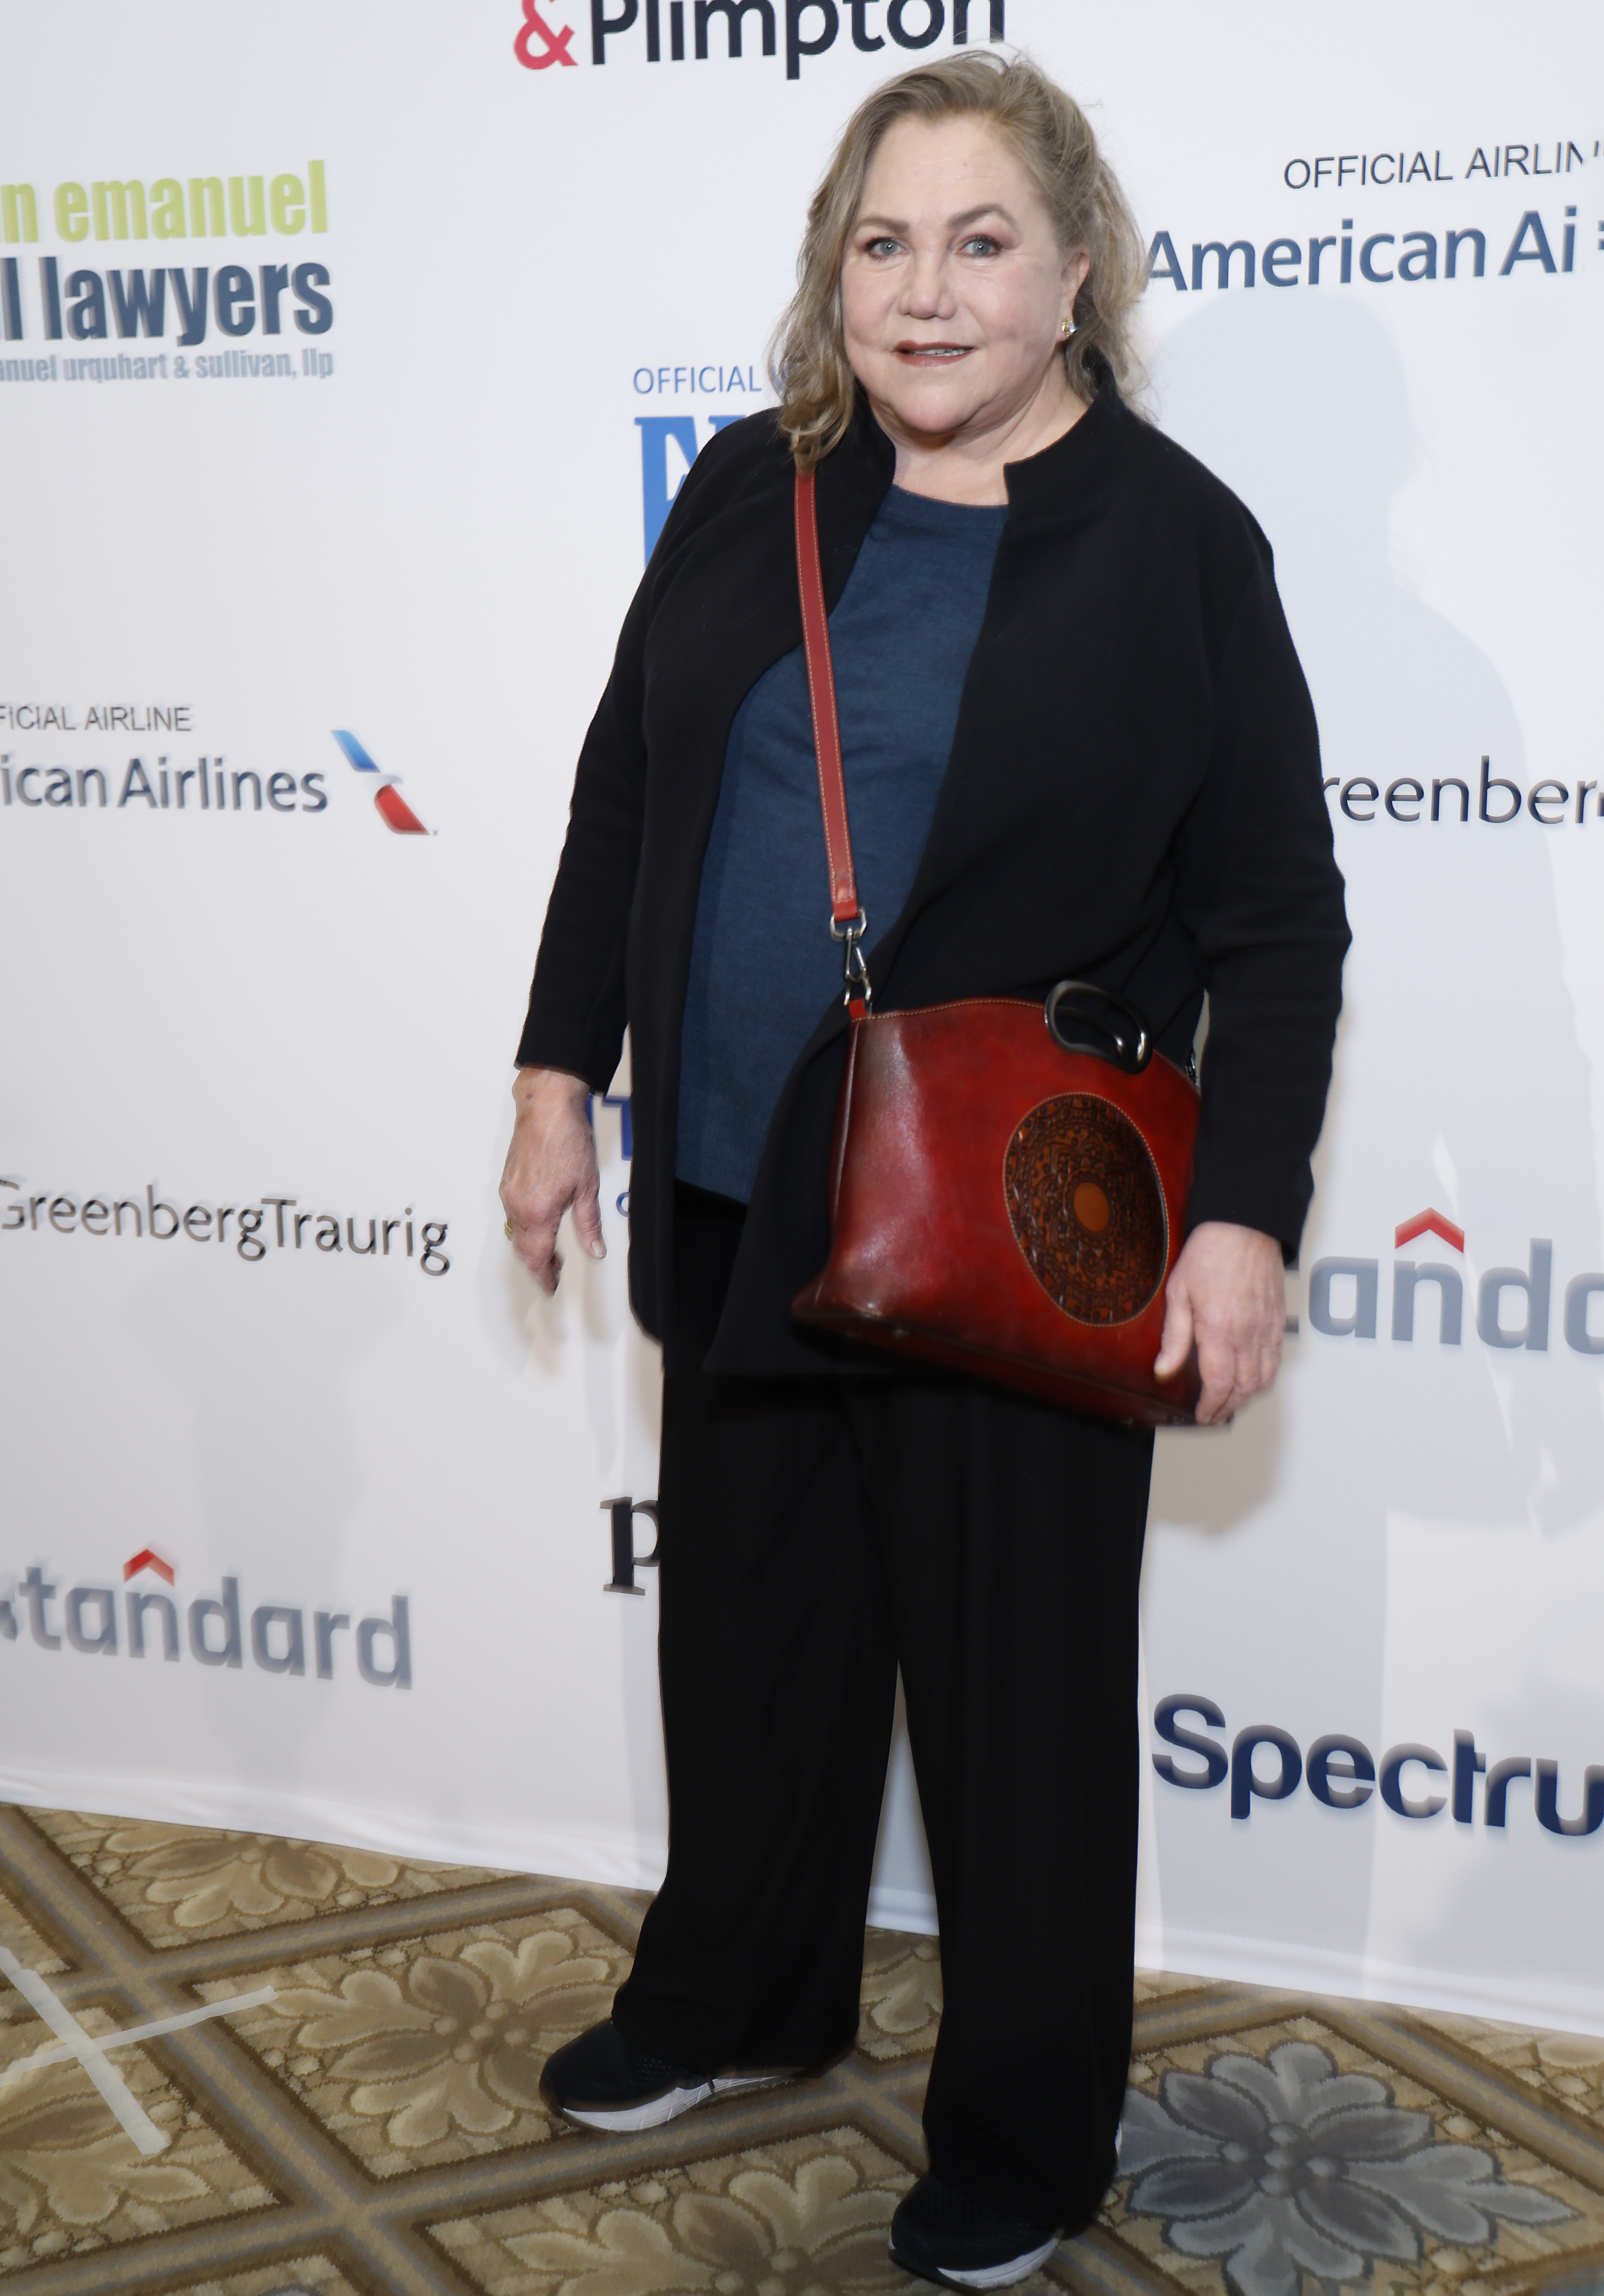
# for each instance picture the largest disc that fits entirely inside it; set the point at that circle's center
(954, 290)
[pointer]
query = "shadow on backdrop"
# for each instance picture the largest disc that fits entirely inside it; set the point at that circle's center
(275, 1436)
(1458, 1081)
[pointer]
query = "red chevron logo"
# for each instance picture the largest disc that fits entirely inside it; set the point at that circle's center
(1430, 1222)
(147, 1559)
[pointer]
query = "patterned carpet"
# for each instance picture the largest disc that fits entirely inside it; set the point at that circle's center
(376, 2127)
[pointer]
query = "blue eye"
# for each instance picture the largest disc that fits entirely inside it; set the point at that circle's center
(881, 247)
(980, 244)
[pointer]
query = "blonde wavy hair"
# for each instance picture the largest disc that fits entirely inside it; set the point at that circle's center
(1053, 139)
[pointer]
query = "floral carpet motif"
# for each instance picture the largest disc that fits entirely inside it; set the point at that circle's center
(1566, 2068)
(297, 2276)
(808, 2218)
(902, 1996)
(19, 1937)
(376, 2128)
(176, 1883)
(431, 2051)
(72, 2182)
(1282, 2167)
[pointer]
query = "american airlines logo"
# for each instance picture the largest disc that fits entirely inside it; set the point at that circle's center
(389, 804)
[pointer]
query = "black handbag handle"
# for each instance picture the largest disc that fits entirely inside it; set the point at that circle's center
(1076, 1023)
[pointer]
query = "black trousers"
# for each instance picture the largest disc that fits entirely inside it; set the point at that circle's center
(815, 1534)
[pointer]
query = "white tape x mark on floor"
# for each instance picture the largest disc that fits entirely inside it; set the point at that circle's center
(91, 2052)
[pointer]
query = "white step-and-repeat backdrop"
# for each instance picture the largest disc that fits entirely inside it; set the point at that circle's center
(351, 357)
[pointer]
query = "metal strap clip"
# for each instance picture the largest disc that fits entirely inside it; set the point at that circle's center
(854, 970)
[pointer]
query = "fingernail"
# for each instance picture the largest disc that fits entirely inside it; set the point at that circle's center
(598, 1250)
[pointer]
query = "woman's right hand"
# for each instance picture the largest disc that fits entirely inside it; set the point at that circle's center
(551, 1165)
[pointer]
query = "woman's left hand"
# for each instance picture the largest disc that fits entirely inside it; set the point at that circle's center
(1227, 1293)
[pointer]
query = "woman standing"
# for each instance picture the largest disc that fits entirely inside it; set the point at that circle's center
(1077, 742)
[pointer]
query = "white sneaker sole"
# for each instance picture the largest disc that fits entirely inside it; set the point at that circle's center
(671, 2105)
(992, 2275)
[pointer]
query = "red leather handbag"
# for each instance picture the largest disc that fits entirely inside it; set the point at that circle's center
(1007, 1183)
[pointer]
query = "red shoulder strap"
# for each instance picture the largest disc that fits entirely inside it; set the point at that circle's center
(821, 696)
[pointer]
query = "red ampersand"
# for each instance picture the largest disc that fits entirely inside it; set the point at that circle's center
(556, 42)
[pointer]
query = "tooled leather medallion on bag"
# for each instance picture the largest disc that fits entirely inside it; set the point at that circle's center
(1087, 1208)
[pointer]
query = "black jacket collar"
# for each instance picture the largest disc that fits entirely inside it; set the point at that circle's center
(857, 477)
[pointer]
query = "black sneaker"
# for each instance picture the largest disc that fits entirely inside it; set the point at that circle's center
(938, 2234)
(604, 2081)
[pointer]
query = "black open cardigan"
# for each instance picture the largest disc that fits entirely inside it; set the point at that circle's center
(1133, 798)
